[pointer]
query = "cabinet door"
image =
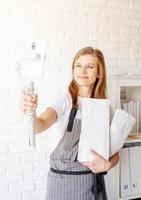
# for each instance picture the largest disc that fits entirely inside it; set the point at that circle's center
(134, 170)
(124, 173)
(139, 175)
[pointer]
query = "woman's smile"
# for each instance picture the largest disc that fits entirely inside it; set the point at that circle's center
(83, 77)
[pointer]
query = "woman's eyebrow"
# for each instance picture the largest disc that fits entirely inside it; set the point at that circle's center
(86, 63)
(91, 64)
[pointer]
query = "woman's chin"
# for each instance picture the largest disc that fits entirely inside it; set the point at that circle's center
(83, 83)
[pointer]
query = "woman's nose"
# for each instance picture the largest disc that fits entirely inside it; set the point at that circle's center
(84, 70)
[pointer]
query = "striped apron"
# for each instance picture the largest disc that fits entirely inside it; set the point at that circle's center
(68, 179)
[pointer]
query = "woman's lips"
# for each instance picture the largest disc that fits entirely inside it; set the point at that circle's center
(82, 77)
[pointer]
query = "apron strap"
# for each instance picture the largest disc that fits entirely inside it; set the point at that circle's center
(99, 186)
(71, 119)
(70, 172)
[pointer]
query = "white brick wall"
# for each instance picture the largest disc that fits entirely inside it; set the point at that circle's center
(113, 26)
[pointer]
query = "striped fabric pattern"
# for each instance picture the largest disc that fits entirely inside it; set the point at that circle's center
(64, 157)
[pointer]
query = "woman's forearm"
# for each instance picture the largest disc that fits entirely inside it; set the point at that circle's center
(45, 120)
(38, 125)
(112, 161)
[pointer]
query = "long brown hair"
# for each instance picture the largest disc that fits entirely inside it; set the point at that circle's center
(99, 90)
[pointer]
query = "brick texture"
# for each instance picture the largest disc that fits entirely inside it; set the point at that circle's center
(65, 26)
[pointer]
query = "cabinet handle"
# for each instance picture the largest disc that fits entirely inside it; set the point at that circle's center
(134, 185)
(125, 186)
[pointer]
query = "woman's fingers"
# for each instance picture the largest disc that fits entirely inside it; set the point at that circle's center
(34, 97)
(98, 163)
(28, 102)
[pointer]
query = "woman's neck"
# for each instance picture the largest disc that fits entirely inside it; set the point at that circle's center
(85, 91)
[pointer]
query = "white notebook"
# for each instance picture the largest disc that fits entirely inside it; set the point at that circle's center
(120, 128)
(96, 133)
(94, 129)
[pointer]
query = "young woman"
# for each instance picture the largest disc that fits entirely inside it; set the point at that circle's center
(68, 179)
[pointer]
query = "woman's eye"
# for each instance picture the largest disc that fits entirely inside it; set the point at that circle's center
(90, 67)
(78, 66)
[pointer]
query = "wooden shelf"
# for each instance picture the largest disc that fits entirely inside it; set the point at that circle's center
(133, 140)
(134, 136)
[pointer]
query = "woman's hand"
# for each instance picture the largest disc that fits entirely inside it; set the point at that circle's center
(99, 164)
(28, 102)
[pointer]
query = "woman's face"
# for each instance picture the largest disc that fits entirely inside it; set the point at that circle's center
(85, 70)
